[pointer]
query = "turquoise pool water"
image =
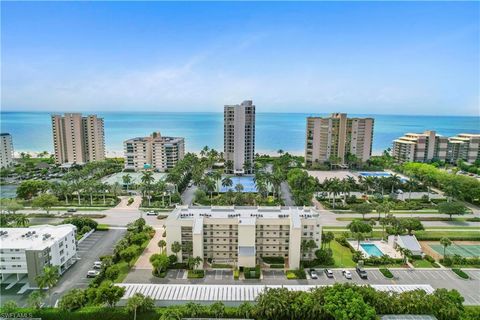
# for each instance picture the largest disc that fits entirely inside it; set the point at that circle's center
(371, 249)
(379, 174)
(246, 181)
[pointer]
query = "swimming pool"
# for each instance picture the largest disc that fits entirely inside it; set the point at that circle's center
(246, 181)
(375, 174)
(380, 174)
(371, 249)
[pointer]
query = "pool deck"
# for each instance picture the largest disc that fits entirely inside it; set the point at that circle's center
(381, 245)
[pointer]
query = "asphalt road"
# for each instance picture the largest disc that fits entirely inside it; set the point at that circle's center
(98, 244)
(286, 194)
(188, 195)
(470, 289)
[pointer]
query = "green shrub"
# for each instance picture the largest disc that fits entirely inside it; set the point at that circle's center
(296, 274)
(460, 273)
(221, 266)
(277, 266)
(386, 273)
(429, 258)
(273, 260)
(196, 274)
(130, 201)
(252, 273)
(236, 274)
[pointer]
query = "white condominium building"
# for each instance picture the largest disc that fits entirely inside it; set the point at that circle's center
(6, 150)
(153, 152)
(78, 139)
(428, 146)
(465, 146)
(420, 147)
(242, 235)
(24, 252)
(337, 136)
(239, 137)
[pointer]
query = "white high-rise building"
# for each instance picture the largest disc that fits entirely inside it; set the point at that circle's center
(153, 152)
(24, 252)
(336, 137)
(78, 139)
(239, 137)
(6, 150)
(243, 235)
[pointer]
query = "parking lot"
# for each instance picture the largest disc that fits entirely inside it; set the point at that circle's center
(97, 244)
(273, 274)
(218, 275)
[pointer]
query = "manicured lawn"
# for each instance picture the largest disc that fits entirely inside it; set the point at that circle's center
(342, 256)
(124, 269)
(421, 263)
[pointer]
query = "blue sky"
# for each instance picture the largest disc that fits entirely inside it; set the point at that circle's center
(360, 57)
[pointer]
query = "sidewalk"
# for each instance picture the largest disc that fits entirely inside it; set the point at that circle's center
(143, 261)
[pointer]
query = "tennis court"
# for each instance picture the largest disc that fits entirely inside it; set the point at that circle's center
(464, 250)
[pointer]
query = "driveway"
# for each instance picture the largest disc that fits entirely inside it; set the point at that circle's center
(143, 261)
(188, 195)
(286, 194)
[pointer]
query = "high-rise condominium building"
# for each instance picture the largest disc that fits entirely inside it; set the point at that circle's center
(242, 235)
(6, 150)
(26, 251)
(155, 152)
(420, 147)
(337, 136)
(239, 137)
(427, 146)
(78, 139)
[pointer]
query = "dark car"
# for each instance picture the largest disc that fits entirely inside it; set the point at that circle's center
(329, 273)
(72, 210)
(362, 273)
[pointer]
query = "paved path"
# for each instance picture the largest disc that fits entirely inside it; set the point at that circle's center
(143, 261)
(286, 194)
(188, 195)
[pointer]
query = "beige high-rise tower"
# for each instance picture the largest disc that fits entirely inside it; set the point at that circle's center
(239, 137)
(336, 137)
(78, 139)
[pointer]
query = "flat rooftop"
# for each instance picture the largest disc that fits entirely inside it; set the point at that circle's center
(35, 237)
(245, 213)
(237, 293)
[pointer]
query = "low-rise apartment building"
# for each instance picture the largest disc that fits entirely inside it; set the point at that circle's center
(427, 146)
(243, 235)
(153, 152)
(6, 150)
(24, 252)
(336, 136)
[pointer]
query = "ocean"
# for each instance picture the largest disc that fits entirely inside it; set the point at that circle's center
(31, 131)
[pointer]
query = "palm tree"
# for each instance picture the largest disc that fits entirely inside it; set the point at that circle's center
(210, 185)
(247, 166)
(176, 248)
(394, 180)
(116, 188)
(35, 299)
(228, 166)
(334, 187)
(21, 220)
(239, 187)
(162, 244)
(227, 182)
(445, 242)
(345, 188)
(104, 188)
(204, 151)
(280, 151)
(147, 179)
(216, 175)
(127, 180)
(160, 187)
(411, 185)
(48, 279)
(64, 188)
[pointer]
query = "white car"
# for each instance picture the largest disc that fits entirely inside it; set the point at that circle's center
(151, 213)
(97, 265)
(92, 273)
(313, 274)
(347, 274)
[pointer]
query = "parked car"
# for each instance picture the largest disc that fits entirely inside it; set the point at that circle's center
(97, 265)
(347, 274)
(151, 213)
(313, 274)
(362, 273)
(92, 273)
(190, 184)
(72, 210)
(329, 273)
